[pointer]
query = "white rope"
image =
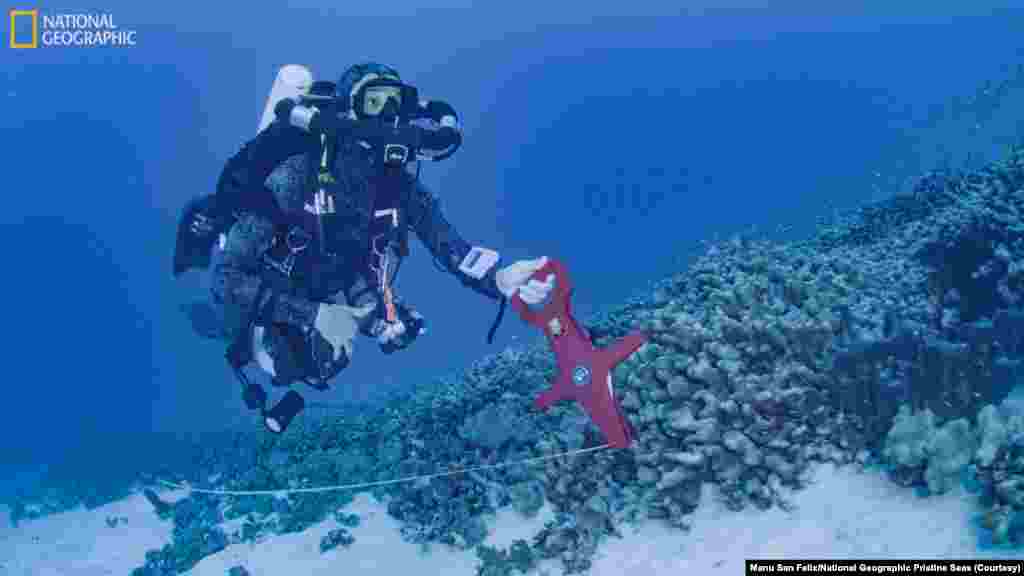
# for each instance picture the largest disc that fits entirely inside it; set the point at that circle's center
(318, 489)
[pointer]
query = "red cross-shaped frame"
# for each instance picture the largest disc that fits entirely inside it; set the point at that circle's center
(584, 372)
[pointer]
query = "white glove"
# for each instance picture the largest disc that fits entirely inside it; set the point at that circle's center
(339, 325)
(399, 334)
(516, 277)
(390, 331)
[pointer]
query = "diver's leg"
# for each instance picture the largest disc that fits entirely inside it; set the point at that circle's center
(273, 353)
(293, 358)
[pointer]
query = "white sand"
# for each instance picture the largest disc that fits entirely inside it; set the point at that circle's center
(378, 548)
(80, 542)
(843, 514)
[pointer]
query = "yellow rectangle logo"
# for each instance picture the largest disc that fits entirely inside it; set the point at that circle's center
(34, 15)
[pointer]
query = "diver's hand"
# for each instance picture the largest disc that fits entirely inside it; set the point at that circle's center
(399, 334)
(389, 331)
(339, 324)
(516, 278)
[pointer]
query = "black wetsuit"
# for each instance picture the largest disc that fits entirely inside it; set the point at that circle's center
(268, 182)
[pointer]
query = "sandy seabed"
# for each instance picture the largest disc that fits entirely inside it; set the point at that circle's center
(845, 513)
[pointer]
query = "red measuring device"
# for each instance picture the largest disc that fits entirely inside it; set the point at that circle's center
(584, 372)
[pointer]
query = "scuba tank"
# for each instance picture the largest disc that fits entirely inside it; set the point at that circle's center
(205, 219)
(292, 81)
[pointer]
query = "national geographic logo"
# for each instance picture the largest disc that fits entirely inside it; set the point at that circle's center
(31, 29)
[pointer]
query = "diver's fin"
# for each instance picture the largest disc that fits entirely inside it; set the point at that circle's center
(206, 322)
(192, 248)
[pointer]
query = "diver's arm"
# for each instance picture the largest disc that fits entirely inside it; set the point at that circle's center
(447, 246)
(238, 284)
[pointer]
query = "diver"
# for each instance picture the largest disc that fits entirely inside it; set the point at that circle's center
(306, 264)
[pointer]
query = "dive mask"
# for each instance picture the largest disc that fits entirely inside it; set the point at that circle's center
(378, 98)
(385, 99)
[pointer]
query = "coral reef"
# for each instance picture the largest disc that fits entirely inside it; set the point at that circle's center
(335, 538)
(518, 559)
(892, 336)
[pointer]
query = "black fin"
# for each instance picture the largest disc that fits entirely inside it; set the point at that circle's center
(206, 321)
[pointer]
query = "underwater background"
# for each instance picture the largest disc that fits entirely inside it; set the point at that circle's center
(615, 137)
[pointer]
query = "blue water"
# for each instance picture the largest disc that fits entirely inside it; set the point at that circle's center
(613, 137)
